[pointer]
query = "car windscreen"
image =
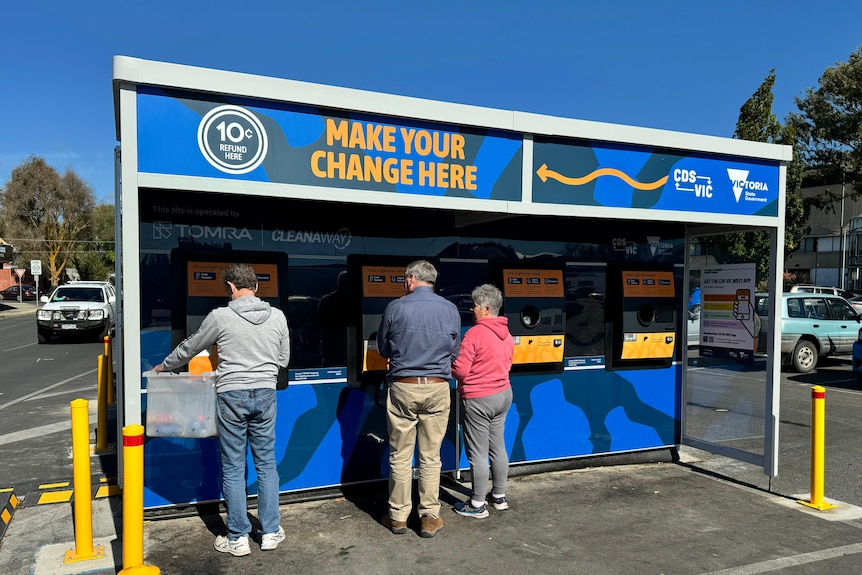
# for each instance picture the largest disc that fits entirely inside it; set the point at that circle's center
(78, 294)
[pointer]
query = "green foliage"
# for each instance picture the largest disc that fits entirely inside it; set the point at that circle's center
(95, 260)
(829, 128)
(47, 216)
(757, 123)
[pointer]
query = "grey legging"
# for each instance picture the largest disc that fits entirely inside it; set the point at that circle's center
(484, 419)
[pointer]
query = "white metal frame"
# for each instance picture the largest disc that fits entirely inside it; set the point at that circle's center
(132, 72)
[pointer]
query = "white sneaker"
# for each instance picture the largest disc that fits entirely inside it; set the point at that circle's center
(269, 541)
(237, 548)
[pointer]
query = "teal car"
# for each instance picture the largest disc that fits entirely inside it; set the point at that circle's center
(815, 325)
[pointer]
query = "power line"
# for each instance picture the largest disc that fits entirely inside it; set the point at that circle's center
(59, 241)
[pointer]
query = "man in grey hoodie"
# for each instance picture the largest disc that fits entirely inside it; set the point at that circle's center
(253, 343)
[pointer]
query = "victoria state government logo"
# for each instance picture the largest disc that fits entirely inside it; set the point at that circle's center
(743, 188)
(232, 139)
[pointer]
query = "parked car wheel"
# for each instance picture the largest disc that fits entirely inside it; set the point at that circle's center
(43, 337)
(804, 356)
(101, 335)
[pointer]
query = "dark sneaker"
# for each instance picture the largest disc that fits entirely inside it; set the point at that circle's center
(499, 503)
(430, 526)
(466, 509)
(396, 527)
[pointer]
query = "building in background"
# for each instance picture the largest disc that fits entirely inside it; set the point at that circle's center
(6, 252)
(831, 253)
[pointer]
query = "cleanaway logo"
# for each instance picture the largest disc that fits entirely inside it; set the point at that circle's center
(738, 178)
(339, 240)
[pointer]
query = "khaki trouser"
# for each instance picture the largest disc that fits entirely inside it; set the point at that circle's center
(416, 411)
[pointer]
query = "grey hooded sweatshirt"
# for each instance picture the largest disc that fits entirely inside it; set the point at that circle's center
(253, 343)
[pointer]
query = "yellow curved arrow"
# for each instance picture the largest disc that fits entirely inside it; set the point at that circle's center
(544, 173)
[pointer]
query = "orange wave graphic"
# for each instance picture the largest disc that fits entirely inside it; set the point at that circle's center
(544, 173)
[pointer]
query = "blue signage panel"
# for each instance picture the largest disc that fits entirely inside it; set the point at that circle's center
(235, 138)
(619, 176)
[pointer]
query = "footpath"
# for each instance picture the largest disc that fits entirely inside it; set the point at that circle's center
(9, 309)
(663, 517)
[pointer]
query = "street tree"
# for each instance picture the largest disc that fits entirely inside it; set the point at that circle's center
(46, 215)
(95, 259)
(829, 131)
(757, 123)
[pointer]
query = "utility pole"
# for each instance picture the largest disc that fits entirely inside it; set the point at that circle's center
(843, 236)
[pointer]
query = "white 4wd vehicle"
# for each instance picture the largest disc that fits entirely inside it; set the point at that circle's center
(81, 309)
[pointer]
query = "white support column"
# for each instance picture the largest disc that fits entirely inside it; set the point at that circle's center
(773, 338)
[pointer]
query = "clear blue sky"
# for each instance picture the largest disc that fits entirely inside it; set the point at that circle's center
(677, 65)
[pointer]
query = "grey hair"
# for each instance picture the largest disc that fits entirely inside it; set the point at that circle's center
(422, 270)
(488, 295)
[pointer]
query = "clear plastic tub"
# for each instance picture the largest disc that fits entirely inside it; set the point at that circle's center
(181, 404)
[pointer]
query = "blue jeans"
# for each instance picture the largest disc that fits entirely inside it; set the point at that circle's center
(246, 418)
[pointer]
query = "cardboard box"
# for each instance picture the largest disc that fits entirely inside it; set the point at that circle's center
(181, 405)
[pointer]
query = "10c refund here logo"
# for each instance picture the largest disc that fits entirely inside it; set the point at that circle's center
(232, 139)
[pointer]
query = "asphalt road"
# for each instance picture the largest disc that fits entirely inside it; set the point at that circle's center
(39, 382)
(843, 448)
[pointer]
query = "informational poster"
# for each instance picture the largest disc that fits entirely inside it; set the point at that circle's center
(729, 326)
(380, 285)
(204, 279)
(533, 283)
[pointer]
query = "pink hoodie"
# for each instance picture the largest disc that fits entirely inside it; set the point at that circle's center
(485, 358)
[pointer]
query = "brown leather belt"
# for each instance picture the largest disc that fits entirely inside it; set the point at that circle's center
(421, 379)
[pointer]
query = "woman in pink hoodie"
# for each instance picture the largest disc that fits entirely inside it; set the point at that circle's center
(482, 371)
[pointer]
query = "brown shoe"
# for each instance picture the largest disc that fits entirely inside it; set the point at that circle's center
(430, 525)
(396, 527)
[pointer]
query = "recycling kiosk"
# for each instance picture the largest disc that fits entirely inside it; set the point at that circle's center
(328, 192)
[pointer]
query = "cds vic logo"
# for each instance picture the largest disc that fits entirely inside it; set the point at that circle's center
(690, 181)
(232, 139)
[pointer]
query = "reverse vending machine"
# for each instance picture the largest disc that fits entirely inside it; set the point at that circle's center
(641, 316)
(198, 287)
(374, 281)
(534, 303)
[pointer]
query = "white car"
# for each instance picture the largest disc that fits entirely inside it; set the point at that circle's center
(799, 288)
(693, 329)
(856, 303)
(80, 309)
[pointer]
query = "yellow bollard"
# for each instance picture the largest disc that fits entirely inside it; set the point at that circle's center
(102, 404)
(110, 367)
(818, 442)
(82, 488)
(133, 502)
